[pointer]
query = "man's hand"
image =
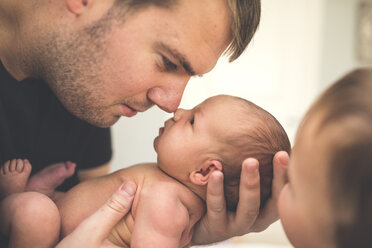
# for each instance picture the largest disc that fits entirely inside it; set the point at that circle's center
(93, 231)
(218, 224)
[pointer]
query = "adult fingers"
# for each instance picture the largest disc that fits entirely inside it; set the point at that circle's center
(104, 219)
(216, 205)
(249, 195)
(269, 213)
(93, 231)
(115, 208)
(280, 162)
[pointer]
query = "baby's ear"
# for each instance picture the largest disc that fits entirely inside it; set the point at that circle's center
(200, 177)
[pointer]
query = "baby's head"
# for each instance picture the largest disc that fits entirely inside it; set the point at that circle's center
(328, 200)
(219, 134)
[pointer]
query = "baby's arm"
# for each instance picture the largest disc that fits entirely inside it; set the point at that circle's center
(160, 220)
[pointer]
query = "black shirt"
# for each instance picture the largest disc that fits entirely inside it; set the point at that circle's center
(36, 126)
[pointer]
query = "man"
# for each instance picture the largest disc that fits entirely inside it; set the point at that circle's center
(106, 59)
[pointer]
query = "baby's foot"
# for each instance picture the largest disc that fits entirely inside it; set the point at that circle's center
(50, 178)
(13, 176)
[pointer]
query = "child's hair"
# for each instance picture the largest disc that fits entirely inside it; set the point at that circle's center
(348, 104)
(257, 134)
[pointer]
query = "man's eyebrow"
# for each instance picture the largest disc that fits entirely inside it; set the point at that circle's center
(180, 57)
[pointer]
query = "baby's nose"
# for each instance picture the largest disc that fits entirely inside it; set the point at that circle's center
(178, 114)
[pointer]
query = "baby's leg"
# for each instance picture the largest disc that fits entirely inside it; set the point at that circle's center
(30, 219)
(13, 176)
(50, 178)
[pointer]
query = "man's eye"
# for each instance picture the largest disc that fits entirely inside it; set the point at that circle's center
(192, 122)
(169, 66)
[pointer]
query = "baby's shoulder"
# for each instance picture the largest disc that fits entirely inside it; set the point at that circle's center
(157, 181)
(164, 187)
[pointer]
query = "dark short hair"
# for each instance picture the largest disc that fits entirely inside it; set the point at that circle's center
(348, 104)
(257, 134)
(245, 18)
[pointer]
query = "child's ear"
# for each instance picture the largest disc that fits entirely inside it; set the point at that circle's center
(77, 7)
(200, 177)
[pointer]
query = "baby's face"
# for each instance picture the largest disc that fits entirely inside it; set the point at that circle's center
(192, 136)
(304, 206)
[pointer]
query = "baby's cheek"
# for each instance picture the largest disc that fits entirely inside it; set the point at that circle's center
(292, 220)
(284, 209)
(282, 200)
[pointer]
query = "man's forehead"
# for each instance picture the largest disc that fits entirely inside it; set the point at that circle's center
(196, 35)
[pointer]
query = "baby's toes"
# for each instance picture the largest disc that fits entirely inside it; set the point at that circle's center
(18, 166)
(13, 165)
(70, 168)
(5, 168)
(27, 166)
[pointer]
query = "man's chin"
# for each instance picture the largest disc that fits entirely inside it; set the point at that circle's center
(102, 122)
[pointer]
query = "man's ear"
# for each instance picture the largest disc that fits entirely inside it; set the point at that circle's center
(200, 177)
(77, 7)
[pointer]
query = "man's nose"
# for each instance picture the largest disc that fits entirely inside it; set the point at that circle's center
(168, 97)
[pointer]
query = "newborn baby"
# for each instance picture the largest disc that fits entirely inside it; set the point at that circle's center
(218, 134)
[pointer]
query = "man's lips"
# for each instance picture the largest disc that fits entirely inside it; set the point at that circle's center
(128, 111)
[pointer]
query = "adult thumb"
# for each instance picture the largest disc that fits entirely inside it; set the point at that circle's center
(94, 230)
(115, 208)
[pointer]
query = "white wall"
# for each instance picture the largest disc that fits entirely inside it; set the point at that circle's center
(339, 50)
(133, 138)
(300, 48)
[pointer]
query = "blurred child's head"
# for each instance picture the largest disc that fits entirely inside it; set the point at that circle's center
(328, 200)
(219, 134)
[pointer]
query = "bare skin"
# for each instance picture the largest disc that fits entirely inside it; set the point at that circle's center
(48, 179)
(15, 177)
(136, 70)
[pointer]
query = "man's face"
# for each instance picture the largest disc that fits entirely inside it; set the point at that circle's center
(148, 59)
(304, 205)
(192, 137)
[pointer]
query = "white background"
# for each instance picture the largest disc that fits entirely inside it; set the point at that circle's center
(300, 48)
